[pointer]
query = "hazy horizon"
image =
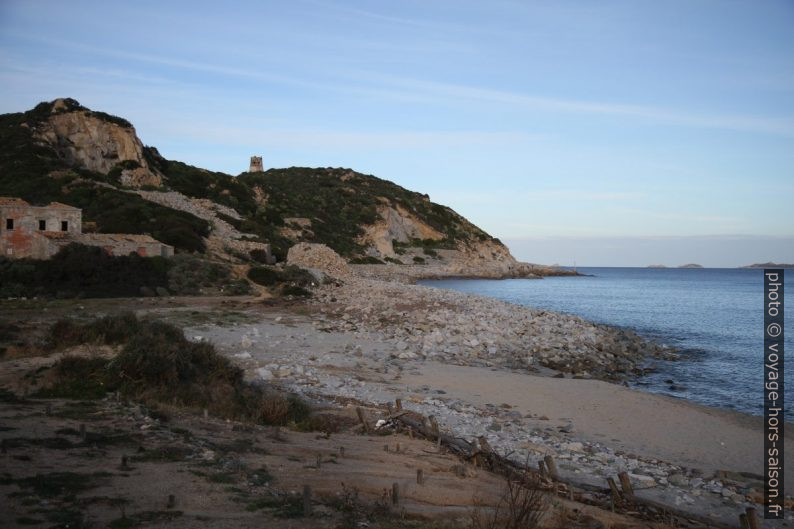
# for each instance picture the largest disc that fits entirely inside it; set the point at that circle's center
(615, 133)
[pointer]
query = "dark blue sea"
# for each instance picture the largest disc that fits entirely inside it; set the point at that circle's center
(714, 316)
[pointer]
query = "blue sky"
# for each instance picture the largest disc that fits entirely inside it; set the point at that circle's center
(609, 133)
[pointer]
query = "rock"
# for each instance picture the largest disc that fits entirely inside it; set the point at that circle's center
(319, 256)
(641, 481)
(678, 480)
(91, 141)
(264, 373)
(573, 447)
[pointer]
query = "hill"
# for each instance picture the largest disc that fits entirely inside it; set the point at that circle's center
(62, 151)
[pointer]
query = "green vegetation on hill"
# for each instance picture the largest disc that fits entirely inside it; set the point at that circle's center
(339, 202)
(34, 172)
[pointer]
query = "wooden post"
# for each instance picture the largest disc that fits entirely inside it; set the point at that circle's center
(743, 523)
(171, 501)
(398, 403)
(363, 419)
(395, 494)
(307, 500)
(552, 467)
(398, 448)
(541, 468)
(410, 432)
(625, 482)
(124, 463)
(752, 518)
(420, 476)
(614, 488)
(341, 451)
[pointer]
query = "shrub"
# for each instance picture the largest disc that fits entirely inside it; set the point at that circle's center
(157, 364)
(419, 260)
(368, 259)
(109, 330)
(263, 275)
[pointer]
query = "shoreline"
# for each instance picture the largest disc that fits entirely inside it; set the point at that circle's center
(483, 367)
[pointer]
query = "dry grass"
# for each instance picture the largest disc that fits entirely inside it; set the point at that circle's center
(521, 506)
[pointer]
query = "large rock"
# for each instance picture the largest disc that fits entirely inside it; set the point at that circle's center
(320, 257)
(96, 142)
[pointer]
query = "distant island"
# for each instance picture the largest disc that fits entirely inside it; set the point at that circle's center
(769, 265)
(688, 265)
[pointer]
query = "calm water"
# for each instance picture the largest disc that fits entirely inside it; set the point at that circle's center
(714, 316)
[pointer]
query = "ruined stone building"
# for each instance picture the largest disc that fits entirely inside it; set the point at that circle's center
(256, 165)
(40, 232)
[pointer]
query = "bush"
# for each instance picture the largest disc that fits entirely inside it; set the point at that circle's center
(187, 274)
(419, 260)
(110, 330)
(368, 259)
(81, 271)
(290, 275)
(158, 365)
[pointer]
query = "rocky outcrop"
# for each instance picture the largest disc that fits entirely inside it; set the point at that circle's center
(396, 224)
(318, 257)
(96, 142)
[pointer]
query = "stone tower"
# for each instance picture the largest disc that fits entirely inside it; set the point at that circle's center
(256, 165)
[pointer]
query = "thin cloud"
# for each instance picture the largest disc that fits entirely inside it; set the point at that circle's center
(782, 126)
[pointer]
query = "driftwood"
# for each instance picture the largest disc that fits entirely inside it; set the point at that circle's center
(546, 475)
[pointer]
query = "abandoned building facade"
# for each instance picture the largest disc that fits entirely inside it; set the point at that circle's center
(39, 232)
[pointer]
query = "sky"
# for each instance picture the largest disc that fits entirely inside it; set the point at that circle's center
(610, 133)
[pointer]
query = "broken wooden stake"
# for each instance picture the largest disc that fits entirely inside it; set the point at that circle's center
(363, 419)
(386, 448)
(398, 448)
(82, 432)
(541, 468)
(319, 460)
(625, 483)
(124, 463)
(752, 518)
(171, 501)
(551, 466)
(341, 451)
(398, 403)
(307, 500)
(613, 487)
(206, 413)
(395, 494)
(410, 432)
(420, 476)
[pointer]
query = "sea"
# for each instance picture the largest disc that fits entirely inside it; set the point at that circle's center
(712, 316)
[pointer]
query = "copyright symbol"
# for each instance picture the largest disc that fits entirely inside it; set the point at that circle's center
(773, 330)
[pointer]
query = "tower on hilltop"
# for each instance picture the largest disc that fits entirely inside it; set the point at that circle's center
(256, 165)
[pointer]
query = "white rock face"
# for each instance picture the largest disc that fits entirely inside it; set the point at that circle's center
(320, 257)
(95, 143)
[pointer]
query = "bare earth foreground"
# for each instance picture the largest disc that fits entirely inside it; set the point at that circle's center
(478, 366)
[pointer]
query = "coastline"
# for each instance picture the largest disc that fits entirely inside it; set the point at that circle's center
(532, 382)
